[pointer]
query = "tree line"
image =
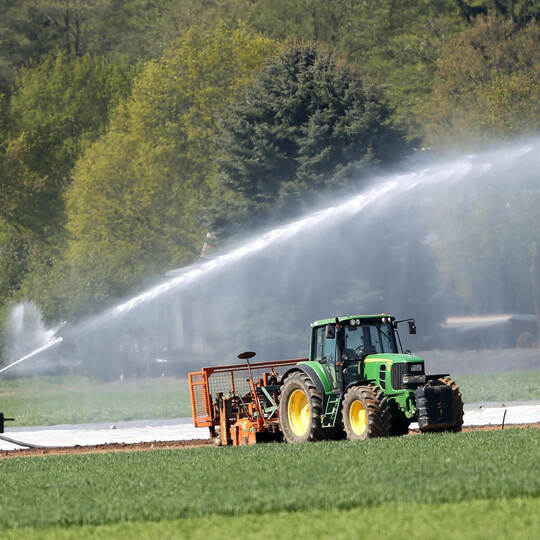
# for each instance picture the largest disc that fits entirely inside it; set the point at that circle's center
(130, 129)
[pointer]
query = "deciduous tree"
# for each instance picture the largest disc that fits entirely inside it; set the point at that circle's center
(58, 107)
(141, 193)
(487, 84)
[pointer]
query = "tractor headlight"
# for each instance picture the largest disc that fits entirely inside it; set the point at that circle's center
(412, 379)
(415, 368)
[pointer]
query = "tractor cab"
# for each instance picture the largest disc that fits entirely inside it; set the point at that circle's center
(356, 336)
(347, 346)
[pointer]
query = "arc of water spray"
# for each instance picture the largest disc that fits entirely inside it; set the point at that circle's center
(253, 246)
(257, 244)
(456, 170)
(350, 207)
(48, 345)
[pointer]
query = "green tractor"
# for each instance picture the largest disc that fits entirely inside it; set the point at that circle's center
(355, 383)
(359, 383)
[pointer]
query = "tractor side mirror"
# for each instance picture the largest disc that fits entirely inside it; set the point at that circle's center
(412, 326)
(330, 331)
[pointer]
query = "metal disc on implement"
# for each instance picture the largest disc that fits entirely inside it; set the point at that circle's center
(246, 355)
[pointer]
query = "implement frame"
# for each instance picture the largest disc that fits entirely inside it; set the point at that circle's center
(204, 384)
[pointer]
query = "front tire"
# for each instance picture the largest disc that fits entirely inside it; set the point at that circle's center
(365, 413)
(457, 403)
(300, 409)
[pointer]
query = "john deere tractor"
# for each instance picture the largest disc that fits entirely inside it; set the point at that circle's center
(359, 382)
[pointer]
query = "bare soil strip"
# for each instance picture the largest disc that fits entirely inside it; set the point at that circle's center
(175, 445)
(103, 448)
(490, 427)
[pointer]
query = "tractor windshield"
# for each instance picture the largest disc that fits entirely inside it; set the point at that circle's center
(369, 338)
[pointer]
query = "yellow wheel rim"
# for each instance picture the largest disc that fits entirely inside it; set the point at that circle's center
(358, 417)
(299, 413)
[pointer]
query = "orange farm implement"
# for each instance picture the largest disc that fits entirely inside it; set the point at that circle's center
(239, 402)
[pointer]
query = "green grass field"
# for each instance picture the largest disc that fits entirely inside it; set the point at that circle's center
(468, 485)
(63, 400)
(72, 400)
(507, 386)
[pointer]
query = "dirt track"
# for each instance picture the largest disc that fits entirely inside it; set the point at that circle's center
(103, 448)
(174, 445)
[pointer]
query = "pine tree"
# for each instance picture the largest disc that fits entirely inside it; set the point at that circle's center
(307, 124)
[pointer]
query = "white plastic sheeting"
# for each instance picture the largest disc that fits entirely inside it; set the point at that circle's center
(182, 428)
(486, 416)
(92, 434)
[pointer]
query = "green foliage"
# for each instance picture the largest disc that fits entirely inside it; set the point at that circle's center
(394, 44)
(487, 84)
(520, 11)
(58, 107)
(318, 20)
(306, 125)
(32, 29)
(269, 478)
(140, 192)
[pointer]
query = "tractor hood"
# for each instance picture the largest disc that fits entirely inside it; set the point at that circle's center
(393, 358)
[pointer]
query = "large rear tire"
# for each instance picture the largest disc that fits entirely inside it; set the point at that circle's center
(300, 409)
(457, 403)
(365, 413)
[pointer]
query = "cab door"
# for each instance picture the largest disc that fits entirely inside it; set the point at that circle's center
(329, 352)
(324, 350)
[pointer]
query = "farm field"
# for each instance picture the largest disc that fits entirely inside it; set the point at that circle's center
(43, 401)
(493, 519)
(474, 485)
(71, 400)
(507, 386)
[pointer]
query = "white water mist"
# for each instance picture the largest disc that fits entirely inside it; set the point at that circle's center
(377, 242)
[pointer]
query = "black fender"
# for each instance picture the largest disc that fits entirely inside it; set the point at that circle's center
(310, 372)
